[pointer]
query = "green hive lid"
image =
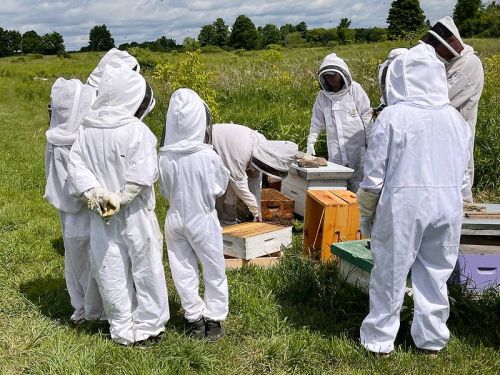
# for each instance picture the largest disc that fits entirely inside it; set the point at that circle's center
(355, 253)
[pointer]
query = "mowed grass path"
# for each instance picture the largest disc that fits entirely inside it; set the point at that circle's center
(294, 318)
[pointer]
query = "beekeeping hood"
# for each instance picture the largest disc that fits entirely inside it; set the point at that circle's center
(443, 30)
(333, 63)
(274, 157)
(70, 100)
(113, 54)
(124, 97)
(418, 78)
(186, 123)
(382, 71)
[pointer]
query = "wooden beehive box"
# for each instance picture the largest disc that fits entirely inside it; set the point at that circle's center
(275, 205)
(300, 180)
(254, 239)
(330, 216)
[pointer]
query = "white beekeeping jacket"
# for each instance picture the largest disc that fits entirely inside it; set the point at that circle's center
(418, 152)
(345, 115)
(192, 175)
(70, 101)
(114, 147)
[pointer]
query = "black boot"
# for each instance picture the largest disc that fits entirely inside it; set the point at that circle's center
(215, 330)
(196, 329)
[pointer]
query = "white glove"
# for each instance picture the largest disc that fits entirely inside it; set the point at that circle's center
(365, 225)
(102, 202)
(367, 202)
(110, 204)
(311, 141)
(91, 198)
(129, 192)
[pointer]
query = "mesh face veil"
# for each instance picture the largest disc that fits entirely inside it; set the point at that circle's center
(147, 104)
(208, 131)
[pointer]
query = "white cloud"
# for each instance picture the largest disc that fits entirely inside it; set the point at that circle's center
(140, 20)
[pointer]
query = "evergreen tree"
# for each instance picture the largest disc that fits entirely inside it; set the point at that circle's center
(244, 34)
(221, 32)
(405, 17)
(465, 15)
(100, 39)
(345, 34)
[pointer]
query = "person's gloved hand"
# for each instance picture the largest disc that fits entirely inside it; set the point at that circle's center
(91, 198)
(110, 204)
(311, 141)
(129, 192)
(365, 225)
(310, 149)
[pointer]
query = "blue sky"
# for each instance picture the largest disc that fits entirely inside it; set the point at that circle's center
(140, 20)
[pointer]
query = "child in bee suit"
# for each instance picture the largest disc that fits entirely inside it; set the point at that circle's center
(192, 176)
(70, 101)
(414, 169)
(342, 108)
(113, 167)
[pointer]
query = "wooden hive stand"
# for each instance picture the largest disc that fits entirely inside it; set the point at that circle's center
(330, 216)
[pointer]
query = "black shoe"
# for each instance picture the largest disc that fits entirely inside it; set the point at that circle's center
(196, 329)
(215, 330)
(150, 341)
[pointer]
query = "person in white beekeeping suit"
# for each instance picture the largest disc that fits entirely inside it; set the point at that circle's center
(247, 154)
(414, 169)
(381, 78)
(342, 108)
(192, 176)
(114, 54)
(70, 100)
(465, 76)
(113, 166)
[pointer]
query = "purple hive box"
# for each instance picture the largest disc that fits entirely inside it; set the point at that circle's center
(478, 271)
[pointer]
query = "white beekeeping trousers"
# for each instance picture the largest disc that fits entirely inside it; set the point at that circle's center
(200, 238)
(82, 288)
(126, 260)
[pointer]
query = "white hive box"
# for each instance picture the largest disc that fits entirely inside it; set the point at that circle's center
(252, 240)
(331, 177)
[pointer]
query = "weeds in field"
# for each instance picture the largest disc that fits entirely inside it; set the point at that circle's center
(189, 72)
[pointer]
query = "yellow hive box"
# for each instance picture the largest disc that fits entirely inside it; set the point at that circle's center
(330, 216)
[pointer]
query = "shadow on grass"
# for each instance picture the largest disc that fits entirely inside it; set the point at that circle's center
(58, 245)
(314, 295)
(50, 296)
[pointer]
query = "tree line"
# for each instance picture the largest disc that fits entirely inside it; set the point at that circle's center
(405, 19)
(12, 42)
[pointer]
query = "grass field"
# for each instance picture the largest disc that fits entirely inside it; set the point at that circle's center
(295, 318)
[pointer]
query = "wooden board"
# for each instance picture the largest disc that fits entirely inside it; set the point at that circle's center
(483, 223)
(249, 229)
(252, 240)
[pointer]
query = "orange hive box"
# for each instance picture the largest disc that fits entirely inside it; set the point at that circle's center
(330, 216)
